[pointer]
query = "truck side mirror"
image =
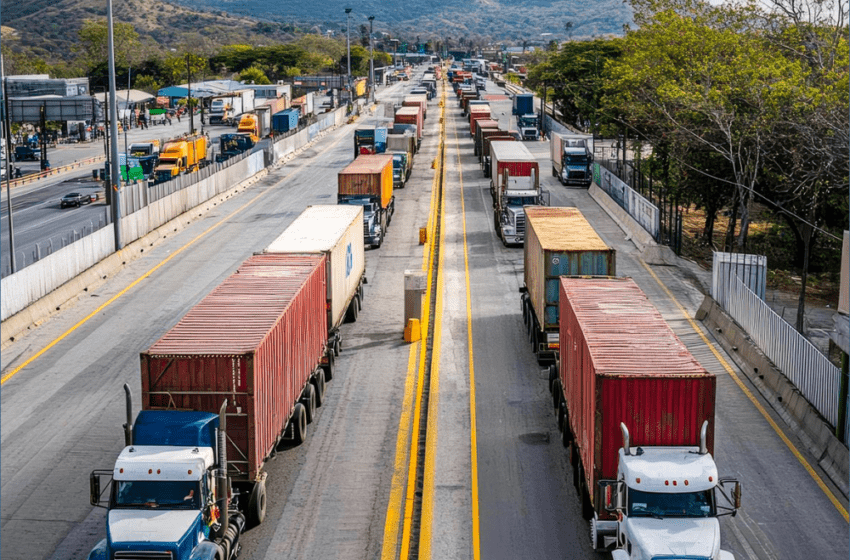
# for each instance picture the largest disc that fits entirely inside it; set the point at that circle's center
(611, 495)
(95, 491)
(730, 489)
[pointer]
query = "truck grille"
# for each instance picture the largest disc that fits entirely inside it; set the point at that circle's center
(520, 224)
(142, 555)
(366, 228)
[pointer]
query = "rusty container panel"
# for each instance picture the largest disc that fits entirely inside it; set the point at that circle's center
(476, 113)
(560, 242)
(254, 340)
(368, 175)
(621, 362)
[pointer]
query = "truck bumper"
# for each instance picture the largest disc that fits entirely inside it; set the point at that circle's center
(514, 239)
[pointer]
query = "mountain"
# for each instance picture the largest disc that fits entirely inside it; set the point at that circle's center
(499, 20)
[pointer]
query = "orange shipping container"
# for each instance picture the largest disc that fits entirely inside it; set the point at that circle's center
(368, 175)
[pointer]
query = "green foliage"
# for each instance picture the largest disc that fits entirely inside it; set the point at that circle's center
(147, 83)
(94, 43)
(254, 75)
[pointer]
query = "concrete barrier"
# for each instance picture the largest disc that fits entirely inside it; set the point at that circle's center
(651, 252)
(815, 433)
(54, 279)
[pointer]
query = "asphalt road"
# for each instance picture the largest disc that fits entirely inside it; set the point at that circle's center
(330, 497)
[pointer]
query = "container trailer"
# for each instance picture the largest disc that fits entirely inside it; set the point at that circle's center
(572, 158)
(368, 182)
(559, 242)
(515, 184)
(240, 374)
(637, 411)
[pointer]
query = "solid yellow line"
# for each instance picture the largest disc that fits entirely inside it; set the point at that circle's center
(473, 425)
(88, 317)
(391, 526)
(818, 480)
(427, 517)
(417, 415)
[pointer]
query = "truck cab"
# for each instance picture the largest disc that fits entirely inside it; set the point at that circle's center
(401, 169)
(162, 492)
(232, 145)
(576, 167)
(668, 500)
(514, 193)
(374, 223)
(529, 126)
(249, 124)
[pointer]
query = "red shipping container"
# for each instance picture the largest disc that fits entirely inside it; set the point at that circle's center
(477, 112)
(254, 340)
(621, 362)
(514, 157)
(411, 115)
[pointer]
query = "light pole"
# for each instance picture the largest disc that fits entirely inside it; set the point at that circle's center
(115, 183)
(348, 50)
(7, 126)
(189, 96)
(371, 60)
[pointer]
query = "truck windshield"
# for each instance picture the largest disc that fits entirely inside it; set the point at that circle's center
(659, 505)
(575, 159)
(170, 494)
(522, 200)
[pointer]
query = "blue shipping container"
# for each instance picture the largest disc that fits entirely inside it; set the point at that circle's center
(523, 104)
(285, 120)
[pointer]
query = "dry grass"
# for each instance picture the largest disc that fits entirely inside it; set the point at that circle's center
(820, 288)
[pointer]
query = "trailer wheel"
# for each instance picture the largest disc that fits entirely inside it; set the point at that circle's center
(299, 424)
(351, 312)
(556, 394)
(553, 377)
(554, 171)
(257, 504)
(308, 398)
(336, 348)
(318, 382)
(586, 505)
(329, 367)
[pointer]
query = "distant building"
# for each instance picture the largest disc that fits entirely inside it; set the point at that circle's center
(36, 85)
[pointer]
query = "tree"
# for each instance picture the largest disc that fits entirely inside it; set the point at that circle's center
(253, 75)
(94, 44)
(175, 67)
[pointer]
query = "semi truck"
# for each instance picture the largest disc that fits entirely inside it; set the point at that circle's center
(370, 140)
(636, 411)
(231, 145)
(515, 184)
(572, 158)
(417, 99)
(401, 168)
(368, 182)
(145, 148)
(411, 115)
(228, 109)
(256, 124)
(238, 376)
(181, 156)
(335, 231)
(559, 242)
(529, 126)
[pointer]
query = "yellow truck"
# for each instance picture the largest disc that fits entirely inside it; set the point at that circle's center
(180, 156)
(256, 124)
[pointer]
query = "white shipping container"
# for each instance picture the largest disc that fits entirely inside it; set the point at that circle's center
(336, 230)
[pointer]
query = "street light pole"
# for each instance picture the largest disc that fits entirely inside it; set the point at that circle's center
(189, 97)
(371, 60)
(348, 50)
(8, 136)
(115, 183)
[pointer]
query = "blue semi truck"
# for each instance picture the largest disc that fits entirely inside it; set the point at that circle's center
(528, 122)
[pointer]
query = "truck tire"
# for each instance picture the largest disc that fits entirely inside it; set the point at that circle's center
(308, 399)
(257, 504)
(553, 376)
(586, 505)
(299, 424)
(329, 367)
(554, 171)
(318, 382)
(566, 436)
(556, 394)
(351, 312)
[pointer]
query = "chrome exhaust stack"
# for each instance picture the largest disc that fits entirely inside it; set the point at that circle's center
(625, 431)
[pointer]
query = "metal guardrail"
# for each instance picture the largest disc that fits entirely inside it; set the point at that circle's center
(32, 177)
(792, 353)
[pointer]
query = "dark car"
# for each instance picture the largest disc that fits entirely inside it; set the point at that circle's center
(75, 199)
(25, 152)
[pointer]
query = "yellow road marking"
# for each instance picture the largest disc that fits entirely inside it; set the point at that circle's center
(753, 399)
(427, 516)
(88, 317)
(476, 533)
(390, 544)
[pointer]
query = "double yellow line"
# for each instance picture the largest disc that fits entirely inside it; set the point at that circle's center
(408, 433)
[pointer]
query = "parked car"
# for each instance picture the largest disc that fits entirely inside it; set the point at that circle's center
(75, 199)
(26, 152)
